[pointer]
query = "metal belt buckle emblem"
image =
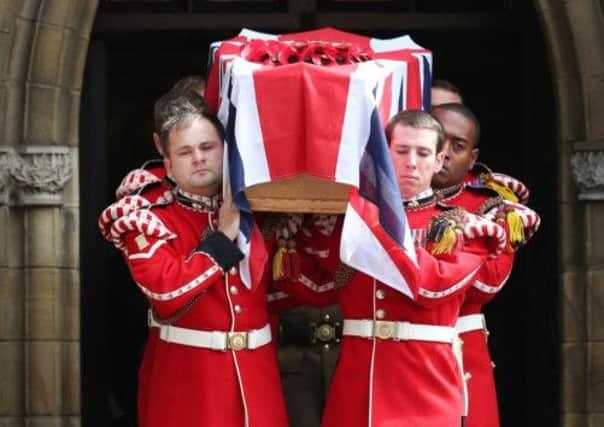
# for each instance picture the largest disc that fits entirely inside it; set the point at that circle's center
(325, 332)
(237, 341)
(384, 329)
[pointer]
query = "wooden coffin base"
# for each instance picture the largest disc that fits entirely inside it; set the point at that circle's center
(299, 194)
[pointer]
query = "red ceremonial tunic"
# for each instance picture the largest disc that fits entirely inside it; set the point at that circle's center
(189, 386)
(383, 382)
(482, 393)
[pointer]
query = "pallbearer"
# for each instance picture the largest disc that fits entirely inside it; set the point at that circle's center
(212, 361)
(400, 362)
(462, 182)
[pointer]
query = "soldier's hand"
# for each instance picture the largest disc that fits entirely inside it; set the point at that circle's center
(228, 216)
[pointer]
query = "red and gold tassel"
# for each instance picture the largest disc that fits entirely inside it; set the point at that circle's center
(512, 223)
(293, 260)
(278, 270)
(515, 228)
(445, 237)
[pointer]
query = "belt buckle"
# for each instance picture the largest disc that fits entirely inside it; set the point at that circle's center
(325, 332)
(237, 340)
(385, 329)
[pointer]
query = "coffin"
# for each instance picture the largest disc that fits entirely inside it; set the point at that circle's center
(302, 110)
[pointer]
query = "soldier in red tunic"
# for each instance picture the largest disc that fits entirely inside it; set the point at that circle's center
(211, 362)
(464, 183)
(400, 363)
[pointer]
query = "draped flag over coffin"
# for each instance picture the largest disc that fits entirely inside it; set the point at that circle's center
(410, 89)
(318, 108)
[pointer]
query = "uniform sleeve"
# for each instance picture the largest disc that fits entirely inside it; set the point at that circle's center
(435, 280)
(491, 276)
(515, 219)
(168, 278)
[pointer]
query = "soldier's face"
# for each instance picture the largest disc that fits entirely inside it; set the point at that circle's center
(459, 152)
(194, 158)
(414, 157)
(443, 96)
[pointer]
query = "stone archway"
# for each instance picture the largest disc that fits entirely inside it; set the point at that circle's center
(575, 34)
(42, 54)
(43, 45)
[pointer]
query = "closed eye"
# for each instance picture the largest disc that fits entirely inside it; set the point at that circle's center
(459, 145)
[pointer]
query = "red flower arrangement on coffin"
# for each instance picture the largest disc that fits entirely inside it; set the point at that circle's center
(326, 47)
(276, 52)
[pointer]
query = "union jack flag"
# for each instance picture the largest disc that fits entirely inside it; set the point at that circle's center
(326, 122)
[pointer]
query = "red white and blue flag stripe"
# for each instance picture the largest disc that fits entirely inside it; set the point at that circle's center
(327, 122)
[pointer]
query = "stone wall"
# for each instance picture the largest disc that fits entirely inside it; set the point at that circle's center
(575, 32)
(42, 52)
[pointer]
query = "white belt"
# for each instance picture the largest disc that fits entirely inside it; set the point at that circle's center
(405, 331)
(213, 340)
(471, 322)
(398, 331)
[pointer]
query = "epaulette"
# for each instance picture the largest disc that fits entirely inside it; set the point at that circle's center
(453, 226)
(519, 221)
(509, 188)
(519, 189)
(476, 226)
(145, 222)
(116, 210)
(151, 174)
(122, 208)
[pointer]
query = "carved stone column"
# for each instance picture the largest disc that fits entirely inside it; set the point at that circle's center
(40, 173)
(587, 164)
(7, 161)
